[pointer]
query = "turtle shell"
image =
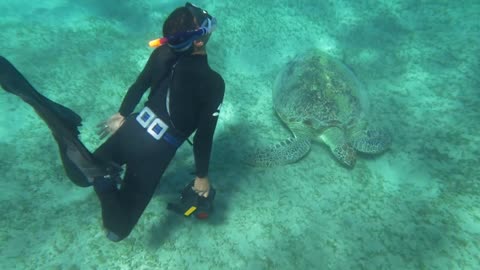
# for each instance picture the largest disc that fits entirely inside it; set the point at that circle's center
(315, 91)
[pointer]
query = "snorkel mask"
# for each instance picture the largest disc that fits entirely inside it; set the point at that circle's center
(181, 42)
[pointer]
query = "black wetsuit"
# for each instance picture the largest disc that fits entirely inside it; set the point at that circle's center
(196, 94)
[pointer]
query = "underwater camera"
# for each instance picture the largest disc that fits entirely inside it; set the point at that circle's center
(191, 203)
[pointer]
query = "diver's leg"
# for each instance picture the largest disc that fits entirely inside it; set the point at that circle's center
(121, 209)
(110, 150)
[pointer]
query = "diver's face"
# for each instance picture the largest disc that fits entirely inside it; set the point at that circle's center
(199, 43)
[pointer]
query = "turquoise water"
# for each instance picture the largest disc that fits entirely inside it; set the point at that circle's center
(414, 207)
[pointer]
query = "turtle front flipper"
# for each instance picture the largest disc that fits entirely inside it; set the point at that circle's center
(342, 150)
(288, 151)
(371, 140)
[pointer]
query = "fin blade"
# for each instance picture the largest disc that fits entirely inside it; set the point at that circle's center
(80, 165)
(12, 81)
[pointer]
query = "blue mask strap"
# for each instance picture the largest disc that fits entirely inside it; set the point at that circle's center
(207, 27)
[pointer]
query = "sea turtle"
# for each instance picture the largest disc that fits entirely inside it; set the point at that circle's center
(319, 98)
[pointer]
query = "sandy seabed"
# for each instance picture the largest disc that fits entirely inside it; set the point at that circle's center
(414, 207)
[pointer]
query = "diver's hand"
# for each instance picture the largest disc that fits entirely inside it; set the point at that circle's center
(201, 186)
(110, 126)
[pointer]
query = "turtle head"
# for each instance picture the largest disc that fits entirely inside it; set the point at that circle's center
(345, 153)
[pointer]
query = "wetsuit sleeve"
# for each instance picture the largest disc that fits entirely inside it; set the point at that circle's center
(202, 142)
(157, 66)
(138, 88)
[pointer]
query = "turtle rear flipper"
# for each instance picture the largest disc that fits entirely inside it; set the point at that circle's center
(371, 140)
(288, 151)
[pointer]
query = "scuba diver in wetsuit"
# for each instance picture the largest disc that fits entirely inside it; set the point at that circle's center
(185, 97)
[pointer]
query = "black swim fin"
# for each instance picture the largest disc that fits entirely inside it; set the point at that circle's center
(80, 165)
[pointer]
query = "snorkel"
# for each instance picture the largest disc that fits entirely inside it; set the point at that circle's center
(183, 41)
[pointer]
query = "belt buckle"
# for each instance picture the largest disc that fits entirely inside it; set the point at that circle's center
(154, 125)
(157, 128)
(146, 117)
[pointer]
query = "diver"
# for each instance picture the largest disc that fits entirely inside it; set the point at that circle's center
(185, 97)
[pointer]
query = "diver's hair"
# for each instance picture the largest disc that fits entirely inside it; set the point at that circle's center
(180, 20)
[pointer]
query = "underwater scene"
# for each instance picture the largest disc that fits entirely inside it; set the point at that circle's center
(348, 137)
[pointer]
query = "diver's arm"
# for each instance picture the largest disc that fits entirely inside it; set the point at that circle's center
(203, 139)
(130, 101)
(138, 88)
(157, 68)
